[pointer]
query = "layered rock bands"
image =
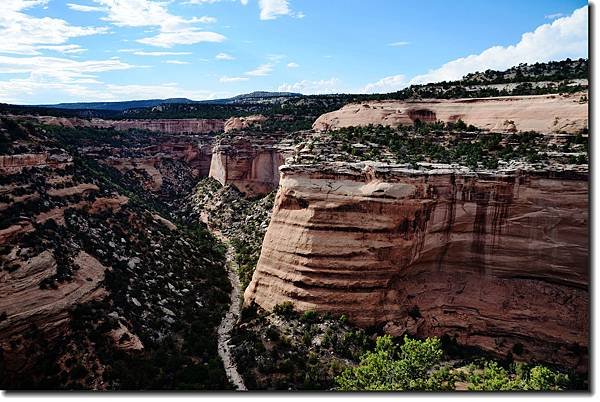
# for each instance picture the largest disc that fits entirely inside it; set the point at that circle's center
(494, 261)
(566, 113)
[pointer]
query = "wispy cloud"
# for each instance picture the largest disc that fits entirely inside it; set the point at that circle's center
(25, 34)
(262, 70)
(84, 8)
(232, 79)
(331, 85)
(181, 37)
(553, 16)
(272, 9)
(387, 84)
(293, 65)
(157, 54)
(399, 44)
(173, 29)
(176, 62)
(224, 56)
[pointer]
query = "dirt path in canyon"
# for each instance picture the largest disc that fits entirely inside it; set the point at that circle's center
(232, 315)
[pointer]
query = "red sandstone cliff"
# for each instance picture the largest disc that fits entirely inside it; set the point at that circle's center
(494, 261)
(169, 126)
(253, 167)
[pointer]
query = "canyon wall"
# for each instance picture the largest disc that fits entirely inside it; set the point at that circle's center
(542, 113)
(251, 166)
(169, 126)
(16, 163)
(494, 261)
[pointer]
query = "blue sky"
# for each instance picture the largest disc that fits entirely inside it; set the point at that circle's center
(90, 50)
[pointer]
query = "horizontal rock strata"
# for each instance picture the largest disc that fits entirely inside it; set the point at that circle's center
(169, 126)
(541, 113)
(251, 166)
(495, 261)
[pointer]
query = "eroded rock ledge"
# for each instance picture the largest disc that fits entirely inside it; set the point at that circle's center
(495, 260)
(541, 113)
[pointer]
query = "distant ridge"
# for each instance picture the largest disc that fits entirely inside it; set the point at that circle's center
(257, 96)
(123, 105)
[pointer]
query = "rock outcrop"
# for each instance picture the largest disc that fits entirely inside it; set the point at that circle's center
(242, 123)
(169, 126)
(16, 163)
(251, 165)
(497, 261)
(541, 113)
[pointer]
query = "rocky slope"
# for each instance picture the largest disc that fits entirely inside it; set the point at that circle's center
(541, 113)
(497, 261)
(102, 283)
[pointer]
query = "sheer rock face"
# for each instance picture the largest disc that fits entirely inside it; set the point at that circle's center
(541, 113)
(16, 163)
(169, 126)
(252, 167)
(498, 262)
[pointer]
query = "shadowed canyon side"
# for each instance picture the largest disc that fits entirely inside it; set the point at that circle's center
(542, 113)
(495, 261)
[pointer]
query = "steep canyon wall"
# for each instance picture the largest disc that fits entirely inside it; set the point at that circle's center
(494, 261)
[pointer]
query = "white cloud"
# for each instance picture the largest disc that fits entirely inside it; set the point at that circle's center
(64, 70)
(173, 29)
(84, 8)
(24, 34)
(293, 65)
(244, 2)
(52, 75)
(232, 79)
(276, 58)
(176, 62)
(181, 37)
(204, 20)
(272, 9)
(157, 54)
(553, 16)
(262, 70)
(399, 44)
(387, 84)
(312, 87)
(564, 37)
(201, 1)
(224, 56)
(67, 49)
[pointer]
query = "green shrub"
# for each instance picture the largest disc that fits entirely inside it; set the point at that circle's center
(416, 366)
(285, 309)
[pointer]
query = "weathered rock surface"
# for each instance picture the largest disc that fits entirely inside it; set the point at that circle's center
(250, 165)
(26, 305)
(15, 163)
(496, 261)
(541, 113)
(169, 126)
(242, 123)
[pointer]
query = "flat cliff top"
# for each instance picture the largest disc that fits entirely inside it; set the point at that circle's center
(374, 170)
(554, 113)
